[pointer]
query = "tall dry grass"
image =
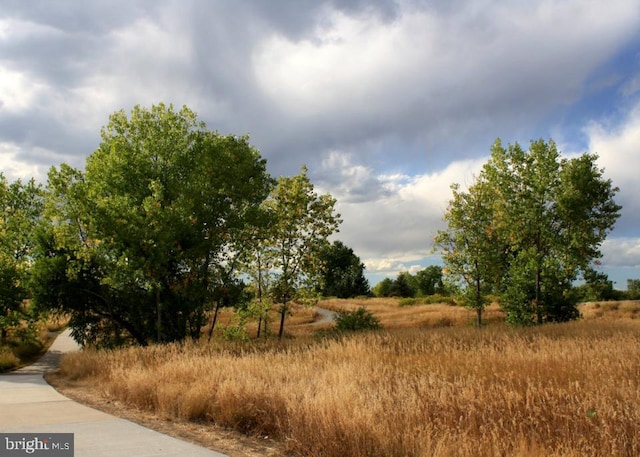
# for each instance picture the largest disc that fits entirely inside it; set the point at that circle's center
(392, 315)
(558, 390)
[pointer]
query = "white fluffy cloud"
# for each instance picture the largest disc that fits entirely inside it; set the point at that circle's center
(618, 147)
(619, 154)
(17, 90)
(622, 252)
(13, 168)
(393, 229)
(390, 219)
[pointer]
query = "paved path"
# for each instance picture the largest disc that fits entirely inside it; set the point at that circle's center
(28, 404)
(326, 317)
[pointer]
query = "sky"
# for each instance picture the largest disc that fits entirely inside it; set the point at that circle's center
(386, 102)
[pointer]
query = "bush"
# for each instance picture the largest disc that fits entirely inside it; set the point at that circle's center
(8, 360)
(408, 301)
(235, 333)
(360, 319)
(27, 349)
(437, 299)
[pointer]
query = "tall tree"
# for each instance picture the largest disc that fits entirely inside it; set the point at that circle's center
(302, 221)
(342, 272)
(471, 246)
(548, 216)
(556, 213)
(158, 212)
(257, 264)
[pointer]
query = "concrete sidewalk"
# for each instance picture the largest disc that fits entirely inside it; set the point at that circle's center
(28, 404)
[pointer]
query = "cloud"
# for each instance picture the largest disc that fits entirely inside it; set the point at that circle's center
(616, 142)
(435, 73)
(388, 103)
(17, 91)
(390, 219)
(306, 77)
(14, 169)
(617, 147)
(621, 252)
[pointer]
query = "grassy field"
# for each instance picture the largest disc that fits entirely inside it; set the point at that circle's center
(428, 385)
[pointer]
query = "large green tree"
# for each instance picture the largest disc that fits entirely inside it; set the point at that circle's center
(342, 272)
(142, 236)
(537, 222)
(301, 222)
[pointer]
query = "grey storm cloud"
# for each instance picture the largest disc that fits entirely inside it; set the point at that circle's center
(462, 70)
(383, 100)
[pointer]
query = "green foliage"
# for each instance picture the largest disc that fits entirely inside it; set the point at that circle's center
(135, 246)
(428, 300)
(429, 280)
(21, 341)
(633, 289)
(596, 287)
(237, 331)
(342, 272)
(12, 291)
(359, 319)
(20, 210)
(409, 301)
(526, 229)
(424, 283)
(437, 299)
(471, 247)
(27, 348)
(300, 223)
(258, 309)
(405, 285)
(383, 288)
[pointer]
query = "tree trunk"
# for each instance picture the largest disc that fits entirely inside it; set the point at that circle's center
(538, 289)
(283, 313)
(479, 304)
(159, 312)
(259, 294)
(139, 337)
(214, 319)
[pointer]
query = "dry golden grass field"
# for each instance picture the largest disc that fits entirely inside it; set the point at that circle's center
(429, 384)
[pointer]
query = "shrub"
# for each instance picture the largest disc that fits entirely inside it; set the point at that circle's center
(408, 301)
(235, 333)
(436, 299)
(27, 349)
(360, 319)
(8, 360)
